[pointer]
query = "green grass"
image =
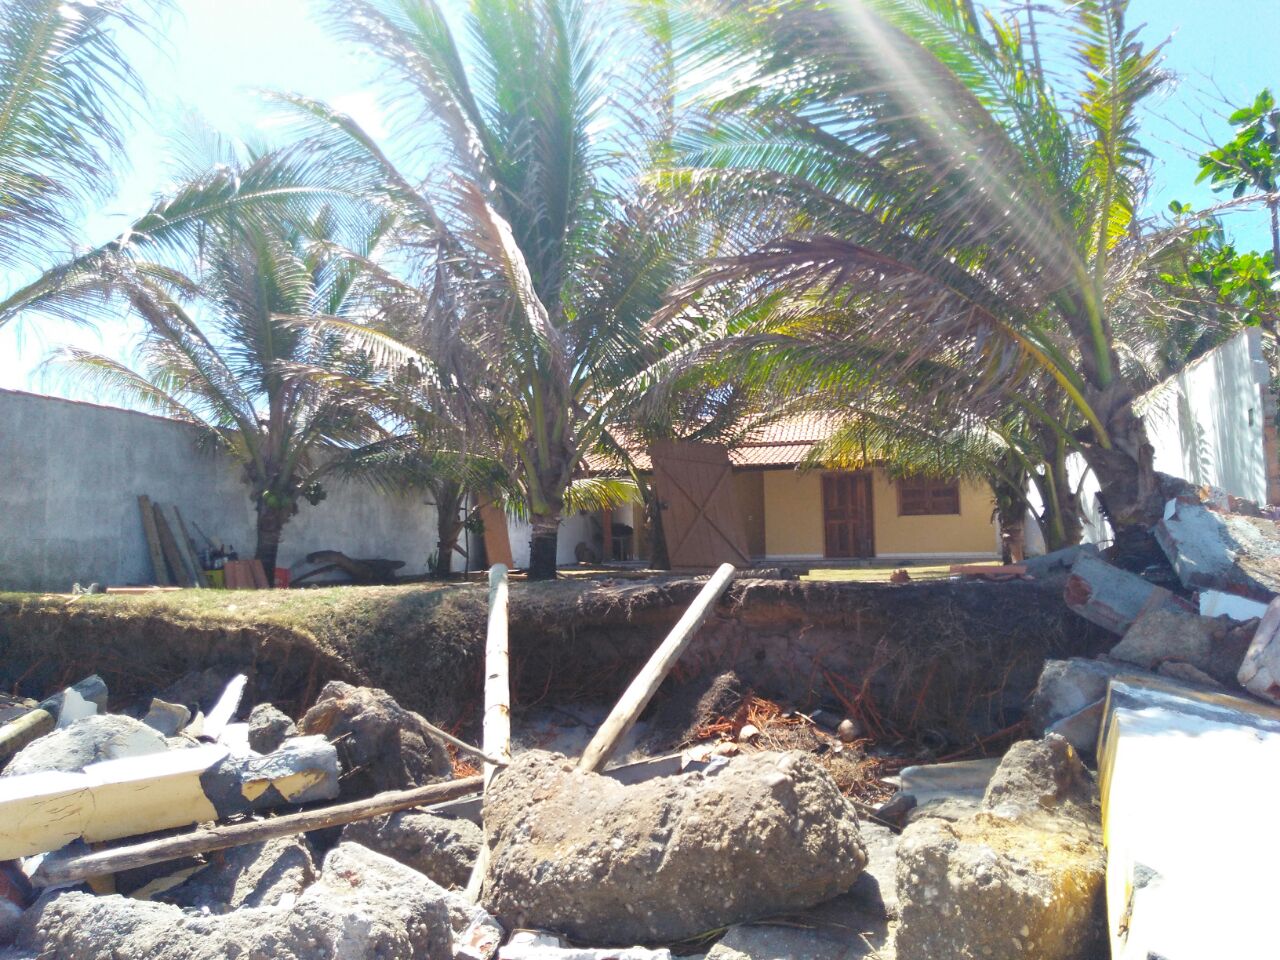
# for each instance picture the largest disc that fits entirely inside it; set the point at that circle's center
(877, 574)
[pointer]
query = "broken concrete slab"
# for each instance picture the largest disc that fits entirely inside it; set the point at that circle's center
(543, 945)
(667, 859)
(255, 875)
(269, 727)
(1214, 646)
(382, 745)
(1068, 686)
(962, 779)
(1042, 776)
(1215, 550)
(1172, 895)
(363, 905)
(1110, 597)
(444, 849)
(87, 741)
(763, 941)
(1215, 603)
(1081, 729)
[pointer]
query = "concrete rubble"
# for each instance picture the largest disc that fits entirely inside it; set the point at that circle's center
(269, 728)
(668, 859)
(444, 849)
(1021, 877)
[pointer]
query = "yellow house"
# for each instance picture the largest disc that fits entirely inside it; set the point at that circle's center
(790, 513)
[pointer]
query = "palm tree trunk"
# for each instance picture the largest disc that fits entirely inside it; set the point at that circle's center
(271, 521)
(542, 546)
(448, 495)
(1130, 494)
(659, 558)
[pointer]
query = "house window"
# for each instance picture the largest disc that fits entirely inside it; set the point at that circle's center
(925, 497)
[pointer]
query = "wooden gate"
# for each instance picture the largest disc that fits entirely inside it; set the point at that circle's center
(847, 520)
(700, 515)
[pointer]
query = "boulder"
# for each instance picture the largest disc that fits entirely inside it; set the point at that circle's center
(1214, 645)
(667, 859)
(254, 875)
(90, 740)
(382, 745)
(168, 718)
(1082, 728)
(363, 906)
(1042, 775)
(269, 727)
(1021, 877)
(1068, 686)
(445, 850)
(763, 941)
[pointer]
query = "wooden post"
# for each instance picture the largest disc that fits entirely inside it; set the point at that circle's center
(497, 702)
(74, 869)
(647, 681)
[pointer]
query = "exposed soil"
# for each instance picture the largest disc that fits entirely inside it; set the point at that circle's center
(942, 660)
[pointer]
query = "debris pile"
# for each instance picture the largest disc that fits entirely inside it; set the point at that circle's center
(1216, 629)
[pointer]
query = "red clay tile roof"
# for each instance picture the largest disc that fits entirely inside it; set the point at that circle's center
(780, 443)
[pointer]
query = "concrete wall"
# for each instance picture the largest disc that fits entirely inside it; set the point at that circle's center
(1208, 422)
(793, 521)
(71, 473)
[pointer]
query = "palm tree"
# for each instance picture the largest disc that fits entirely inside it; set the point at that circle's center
(66, 89)
(238, 364)
(909, 167)
(555, 259)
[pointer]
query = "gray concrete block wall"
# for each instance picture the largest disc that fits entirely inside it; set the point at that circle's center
(70, 475)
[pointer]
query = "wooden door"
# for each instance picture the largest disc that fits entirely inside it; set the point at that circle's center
(846, 515)
(700, 515)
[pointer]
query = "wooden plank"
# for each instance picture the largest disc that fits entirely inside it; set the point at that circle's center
(160, 570)
(188, 547)
(645, 685)
(170, 546)
(259, 575)
(182, 545)
(101, 862)
(497, 538)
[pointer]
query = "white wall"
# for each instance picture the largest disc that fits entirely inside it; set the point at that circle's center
(71, 473)
(1207, 424)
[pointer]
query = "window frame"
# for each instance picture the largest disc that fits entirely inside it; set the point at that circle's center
(932, 490)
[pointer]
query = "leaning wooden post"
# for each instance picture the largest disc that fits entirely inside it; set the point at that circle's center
(647, 681)
(497, 702)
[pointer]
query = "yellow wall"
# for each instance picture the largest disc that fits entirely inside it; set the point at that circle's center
(971, 531)
(792, 513)
(748, 487)
(793, 519)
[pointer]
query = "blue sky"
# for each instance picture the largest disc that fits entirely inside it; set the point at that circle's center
(218, 53)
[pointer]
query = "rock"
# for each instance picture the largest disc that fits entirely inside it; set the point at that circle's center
(1111, 597)
(1068, 686)
(444, 849)
(1051, 569)
(1022, 877)
(476, 934)
(269, 727)
(1041, 775)
(849, 730)
(667, 859)
(304, 770)
(364, 907)
(167, 718)
(1215, 646)
(91, 740)
(382, 745)
(985, 887)
(254, 875)
(1216, 550)
(1260, 670)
